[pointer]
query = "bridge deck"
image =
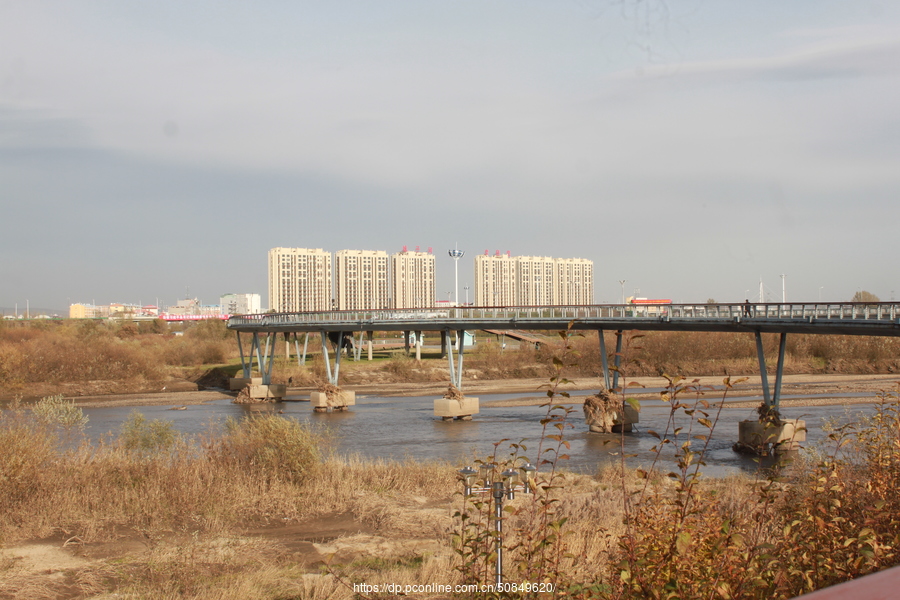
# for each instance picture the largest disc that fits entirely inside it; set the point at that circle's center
(881, 319)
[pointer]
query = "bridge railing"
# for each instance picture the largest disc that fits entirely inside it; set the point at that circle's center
(882, 311)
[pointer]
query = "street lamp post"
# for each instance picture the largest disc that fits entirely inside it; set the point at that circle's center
(497, 486)
(622, 283)
(456, 254)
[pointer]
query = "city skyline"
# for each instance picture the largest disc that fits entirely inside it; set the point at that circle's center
(687, 148)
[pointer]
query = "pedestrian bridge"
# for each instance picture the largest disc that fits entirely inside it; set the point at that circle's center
(871, 319)
(843, 319)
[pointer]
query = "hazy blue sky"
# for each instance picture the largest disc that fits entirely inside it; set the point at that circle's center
(688, 147)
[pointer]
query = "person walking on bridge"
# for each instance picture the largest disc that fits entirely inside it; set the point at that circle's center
(748, 311)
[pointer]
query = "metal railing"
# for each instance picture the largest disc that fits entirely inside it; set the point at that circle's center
(365, 319)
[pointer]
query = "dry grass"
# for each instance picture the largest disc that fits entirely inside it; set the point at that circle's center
(188, 501)
(704, 353)
(186, 498)
(61, 354)
(83, 351)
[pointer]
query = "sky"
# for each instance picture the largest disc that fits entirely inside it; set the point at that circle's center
(151, 151)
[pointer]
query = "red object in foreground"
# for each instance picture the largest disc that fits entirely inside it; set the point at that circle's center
(884, 585)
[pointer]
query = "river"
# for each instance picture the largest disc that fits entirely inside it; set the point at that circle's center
(400, 428)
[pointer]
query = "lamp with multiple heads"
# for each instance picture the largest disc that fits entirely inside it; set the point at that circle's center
(456, 254)
(498, 485)
(511, 480)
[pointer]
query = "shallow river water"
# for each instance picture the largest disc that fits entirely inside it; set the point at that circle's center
(406, 428)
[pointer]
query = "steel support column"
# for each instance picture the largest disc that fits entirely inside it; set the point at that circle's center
(302, 361)
(457, 369)
(450, 361)
(269, 358)
(618, 360)
(245, 366)
(460, 344)
(357, 347)
(763, 375)
(255, 348)
(779, 372)
(332, 375)
(604, 359)
(325, 356)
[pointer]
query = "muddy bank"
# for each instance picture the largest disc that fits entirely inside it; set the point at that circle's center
(847, 389)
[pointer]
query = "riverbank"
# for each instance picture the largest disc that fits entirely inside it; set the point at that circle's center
(829, 389)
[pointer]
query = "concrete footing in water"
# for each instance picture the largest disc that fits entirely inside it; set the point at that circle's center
(755, 437)
(340, 401)
(268, 393)
(623, 420)
(236, 384)
(450, 408)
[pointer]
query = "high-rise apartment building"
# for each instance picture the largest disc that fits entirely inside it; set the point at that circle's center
(504, 280)
(495, 280)
(412, 281)
(299, 279)
(574, 281)
(361, 279)
(536, 280)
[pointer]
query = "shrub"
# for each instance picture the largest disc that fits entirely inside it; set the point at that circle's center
(28, 448)
(279, 449)
(141, 435)
(56, 410)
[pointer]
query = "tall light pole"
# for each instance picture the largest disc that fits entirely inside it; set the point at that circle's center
(622, 283)
(467, 294)
(783, 297)
(456, 254)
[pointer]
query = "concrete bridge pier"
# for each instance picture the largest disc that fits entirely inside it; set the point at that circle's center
(770, 434)
(338, 401)
(606, 412)
(259, 388)
(332, 374)
(604, 360)
(459, 407)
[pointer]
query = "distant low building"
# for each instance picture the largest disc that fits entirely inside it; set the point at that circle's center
(191, 307)
(88, 311)
(240, 304)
